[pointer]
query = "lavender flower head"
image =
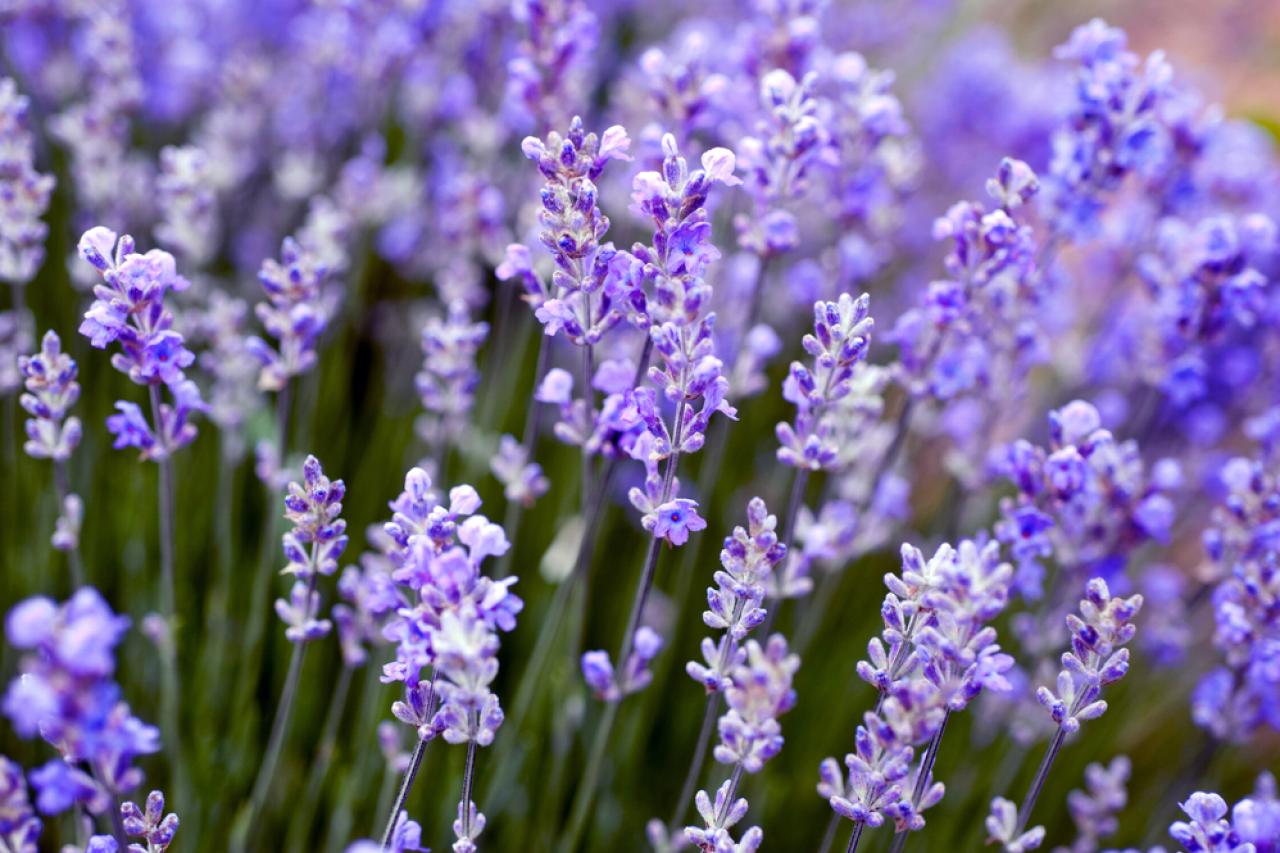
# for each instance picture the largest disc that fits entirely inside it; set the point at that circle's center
(50, 378)
(719, 817)
(1234, 700)
(68, 695)
(406, 837)
(19, 826)
(186, 198)
(839, 343)
(312, 548)
(1097, 656)
(295, 314)
(978, 327)
(734, 604)
(448, 379)
(1002, 828)
(758, 693)
(150, 824)
(1095, 811)
(1207, 827)
(24, 192)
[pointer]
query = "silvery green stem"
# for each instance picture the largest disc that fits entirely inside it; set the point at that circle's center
(468, 781)
(590, 779)
(695, 763)
(855, 838)
(829, 837)
(304, 816)
(727, 802)
(1037, 784)
(415, 764)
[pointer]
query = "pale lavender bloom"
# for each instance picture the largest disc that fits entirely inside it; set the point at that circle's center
(758, 693)
(1002, 829)
(318, 537)
(406, 837)
(185, 198)
(610, 686)
(16, 340)
(24, 192)
(735, 602)
(718, 819)
(465, 652)
(1257, 817)
(841, 336)
(466, 832)
(1095, 812)
(547, 76)
(295, 314)
(152, 825)
(449, 376)
(19, 826)
(50, 378)
(1208, 828)
(521, 479)
(1097, 656)
(301, 614)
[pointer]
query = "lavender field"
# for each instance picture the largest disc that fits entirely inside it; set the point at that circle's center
(551, 425)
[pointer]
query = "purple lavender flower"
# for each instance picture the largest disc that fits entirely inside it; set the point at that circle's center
(522, 480)
(151, 824)
(1257, 817)
(67, 693)
(1232, 701)
(1095, 811)
(51, 390)
(609, 686)
(465, 650)
(295, 314)
(186, 198)
(1097, 656)
(718, 819)
(1086, 500)
(758, 693)
(735, 602)
(24, 192)
(1113, 129)
(448, 379)
(312, 548)
(1002, 829)
(978, 326)
(545, 77)
(406, 837)
(19, 826)
(1208, 828)
(841, 336)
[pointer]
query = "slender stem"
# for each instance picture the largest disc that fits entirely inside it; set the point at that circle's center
(468, 780)
(415, 764)
(1046, 763)
(855, 838)
(695, 763)
(798, 486)
(171, 685)
(279, 727)
(588, 396)
(63, 484)
(590, 780)
(829, 837)
(727, 802)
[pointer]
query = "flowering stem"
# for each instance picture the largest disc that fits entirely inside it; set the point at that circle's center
(587, 369)
(63, 484)
(727, 803)
(415, 763)
(279, 727)
(788, 537)
(1024, 813)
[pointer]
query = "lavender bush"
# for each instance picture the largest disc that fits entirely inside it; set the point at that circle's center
(808, 425)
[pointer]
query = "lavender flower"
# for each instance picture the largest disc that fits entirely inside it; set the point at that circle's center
(19, 826)
(1257, 817)
(1208, 828)
(406, 837)
(546, 75)
(1087, 499)
(1002, 829)
(52, 389)
(1232, 701)
(295, 314)
(734, 604)
(67, 693)
(841, 336)
(24, 192)
(312, 548)
(978, 327)
(718, 819)
(521, 479)
(598, 672)
(448, 379)
(152, 825)
(1095, 812)
(185, 196)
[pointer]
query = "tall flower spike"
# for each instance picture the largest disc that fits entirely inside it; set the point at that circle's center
(296, 313)
(50, 377)
(1095, 811)
(19, 826)
(448, 379)
(186, 200)
(841, 336)
(24, 192)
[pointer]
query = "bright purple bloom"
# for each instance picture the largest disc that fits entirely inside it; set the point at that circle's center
(151, 824)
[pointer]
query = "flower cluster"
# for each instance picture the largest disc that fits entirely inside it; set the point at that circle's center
(50, 378)
(1095, 811)
(149, 823)
(448, 379)
(759, 691)
(735, 603)
(24, 192)
(295, 314)
(936, 654)
(547, 71)
(1235, 699)
(68, 695)
(979, 327)
(1097, 656)
(129, 309)
(19, 826)
(1113, 129)
(838, 345)
(312, 548)
(611, 686)
(1086, 500)
(186, 197)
